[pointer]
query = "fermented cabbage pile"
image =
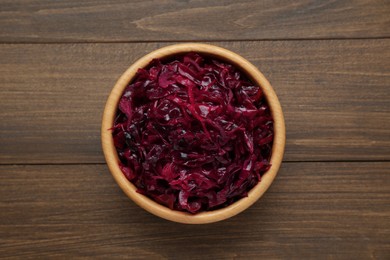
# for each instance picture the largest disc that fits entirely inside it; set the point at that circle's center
(193, 133)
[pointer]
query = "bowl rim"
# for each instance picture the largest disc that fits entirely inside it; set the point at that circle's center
(150, 205)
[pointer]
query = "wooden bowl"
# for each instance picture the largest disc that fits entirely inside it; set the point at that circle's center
(153, 207)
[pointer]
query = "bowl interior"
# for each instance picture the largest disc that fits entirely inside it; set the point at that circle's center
(148, 204)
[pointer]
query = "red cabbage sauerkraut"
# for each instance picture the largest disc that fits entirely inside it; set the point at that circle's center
(193, 133)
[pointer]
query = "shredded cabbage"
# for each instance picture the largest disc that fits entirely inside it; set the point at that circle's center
(193, 133)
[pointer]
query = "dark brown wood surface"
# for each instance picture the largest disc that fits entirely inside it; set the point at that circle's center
(102, 20)
(335, 96)
(334, 209)
(329, 62)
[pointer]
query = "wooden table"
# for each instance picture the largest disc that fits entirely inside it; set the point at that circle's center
(329, 62)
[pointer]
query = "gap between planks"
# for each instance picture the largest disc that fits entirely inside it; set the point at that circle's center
(103, 163)
(201, 40)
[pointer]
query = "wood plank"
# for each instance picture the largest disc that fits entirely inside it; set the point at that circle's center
(335, 95)
(100, 20)
(337, 210)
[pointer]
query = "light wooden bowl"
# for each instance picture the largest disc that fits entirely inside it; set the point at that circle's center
(153, 207)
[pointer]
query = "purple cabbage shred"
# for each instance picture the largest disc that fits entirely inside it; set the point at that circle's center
(193, 133)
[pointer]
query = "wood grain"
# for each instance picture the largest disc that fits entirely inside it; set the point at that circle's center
(335, 95)
(336, 100)
(105, 21)
(331, 210)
